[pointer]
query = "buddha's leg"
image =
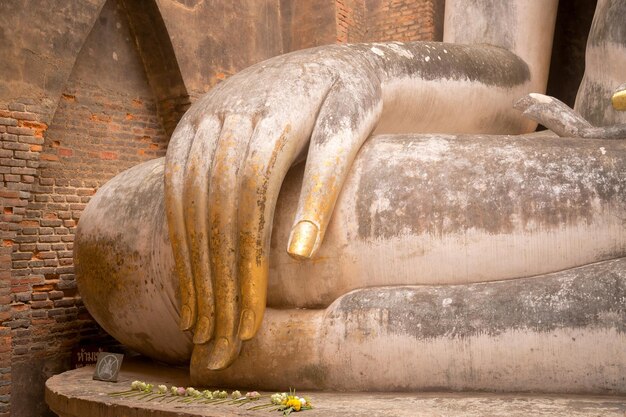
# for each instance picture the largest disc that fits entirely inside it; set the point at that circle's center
(557, 333)
(484, 207)
(416, 210)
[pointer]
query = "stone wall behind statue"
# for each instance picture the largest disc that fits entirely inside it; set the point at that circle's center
(105, 121)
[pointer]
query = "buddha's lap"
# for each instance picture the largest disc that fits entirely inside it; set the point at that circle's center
(415, 210)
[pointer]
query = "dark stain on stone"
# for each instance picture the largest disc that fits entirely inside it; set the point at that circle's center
(451, 184)
(594, 104)
(593, 296)
(489, 65)
(136, 196)
(314, 373)
(609, 23)
(102, 267)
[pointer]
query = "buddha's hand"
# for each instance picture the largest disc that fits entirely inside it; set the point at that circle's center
(225, 165)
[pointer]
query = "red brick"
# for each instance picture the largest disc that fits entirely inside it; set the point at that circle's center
(21, 130)
(9, 193)
(43, 288)
(56, 295)
(23, 115)
(65, 152)
(106, 155)
(41, 304)
(48, 157)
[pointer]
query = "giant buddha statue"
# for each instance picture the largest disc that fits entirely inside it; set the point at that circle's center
(433, 239)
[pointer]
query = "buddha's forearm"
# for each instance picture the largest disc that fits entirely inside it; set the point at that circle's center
(435, 61)
(441, 87)
(469, 84)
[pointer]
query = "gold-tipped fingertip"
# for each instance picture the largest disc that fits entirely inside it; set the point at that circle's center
(247, 325)
(220, 355)
(186, 318)
(619, 100)
(302, 240)
(203, 331)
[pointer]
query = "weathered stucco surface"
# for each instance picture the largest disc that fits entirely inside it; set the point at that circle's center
(503, 208)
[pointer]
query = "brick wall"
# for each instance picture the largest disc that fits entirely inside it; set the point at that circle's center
(94, 135)
(401, 20)
(388, 20)
(106, 121)
(351, 18)
(21, 137)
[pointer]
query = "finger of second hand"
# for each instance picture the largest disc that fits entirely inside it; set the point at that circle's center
(223, 200)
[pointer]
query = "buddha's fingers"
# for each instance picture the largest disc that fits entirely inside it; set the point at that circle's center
(347, 117)
(177, 153)
(223, 205)
(273, 149)
(195, 195)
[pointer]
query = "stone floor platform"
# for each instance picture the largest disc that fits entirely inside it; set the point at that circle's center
(76, 394)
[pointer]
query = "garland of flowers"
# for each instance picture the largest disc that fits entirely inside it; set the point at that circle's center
(285, 402)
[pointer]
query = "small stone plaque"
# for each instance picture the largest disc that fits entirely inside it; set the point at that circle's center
(108, 366)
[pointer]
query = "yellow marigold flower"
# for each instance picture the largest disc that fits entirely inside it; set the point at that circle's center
(294, 403)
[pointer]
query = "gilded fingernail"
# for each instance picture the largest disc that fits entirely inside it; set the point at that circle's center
(203, 331)
(302, 240)
(246, 325)
(619, 100)
(186, 318)
(220, 355)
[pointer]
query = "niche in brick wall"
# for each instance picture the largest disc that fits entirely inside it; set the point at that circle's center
(106, 122)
